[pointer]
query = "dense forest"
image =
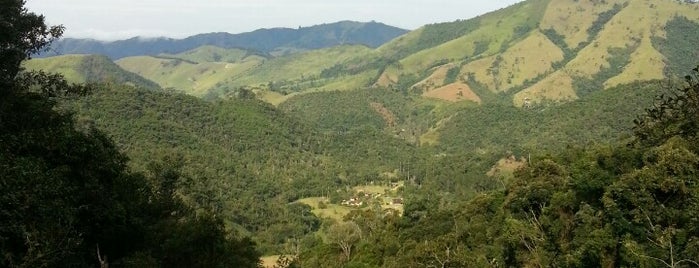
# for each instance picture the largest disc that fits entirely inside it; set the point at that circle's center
(632, 203)
(119, 172)
(67, 196)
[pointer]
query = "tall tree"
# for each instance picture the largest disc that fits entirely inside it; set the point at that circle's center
(22, 34)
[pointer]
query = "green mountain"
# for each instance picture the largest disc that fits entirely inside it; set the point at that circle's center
(243, 159)
(543, 50)
(276, 40)
(88, 69)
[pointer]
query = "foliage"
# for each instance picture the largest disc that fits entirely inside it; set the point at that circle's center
(559, 41)
(618, 58)
(68, 199)
(602, 20)
(452, 75)
(243, 159)
(627, 205)
(203, 175)
(672, 115)
(439, 33)
(679, 45)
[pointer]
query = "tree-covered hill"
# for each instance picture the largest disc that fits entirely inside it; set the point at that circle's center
(244, 159)
(631, 203)
(67, 196)
(459, 143)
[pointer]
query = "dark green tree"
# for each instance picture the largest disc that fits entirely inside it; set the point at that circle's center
(675, 114)
(22, 34)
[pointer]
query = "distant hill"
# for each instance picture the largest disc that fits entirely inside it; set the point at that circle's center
(214, 71)
(89, 68)
(277, 40)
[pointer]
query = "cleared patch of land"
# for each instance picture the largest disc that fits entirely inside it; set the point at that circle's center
(269, 261)
(556, 87)
(506, 167)
(453, 92)
(332, 211)
(361, 198)
(385, 113)
(436, 79)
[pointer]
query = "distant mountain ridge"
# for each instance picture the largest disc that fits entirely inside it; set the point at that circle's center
(276, 40)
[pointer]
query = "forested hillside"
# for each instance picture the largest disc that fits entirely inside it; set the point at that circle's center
(631, 203)
(242, 159)
(67, 197)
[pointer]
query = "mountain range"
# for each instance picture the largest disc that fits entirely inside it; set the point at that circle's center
(275, 41)
(531, 54)
(536, 51)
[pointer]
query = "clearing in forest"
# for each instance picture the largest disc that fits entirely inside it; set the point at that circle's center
(453, 92)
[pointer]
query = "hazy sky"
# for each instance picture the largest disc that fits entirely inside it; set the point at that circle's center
(117, 19)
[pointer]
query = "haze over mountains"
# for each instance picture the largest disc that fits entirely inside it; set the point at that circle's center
(277, 40)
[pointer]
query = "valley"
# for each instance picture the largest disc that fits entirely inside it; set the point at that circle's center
(548, 133)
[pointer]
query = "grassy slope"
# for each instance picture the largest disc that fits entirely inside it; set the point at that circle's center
(502, 51)
(194, 72)
(88, 68)
(535, 66)
(496, 28)
(572, 19)
(301, 65)
(67, 65)
(523, 61)
(211, 54)
(209, 68)
(633, 26)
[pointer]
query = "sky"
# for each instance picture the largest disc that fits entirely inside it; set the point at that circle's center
(120, 19)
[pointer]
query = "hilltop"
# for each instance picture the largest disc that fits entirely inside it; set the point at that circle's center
(89, 69)
(276, 40)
